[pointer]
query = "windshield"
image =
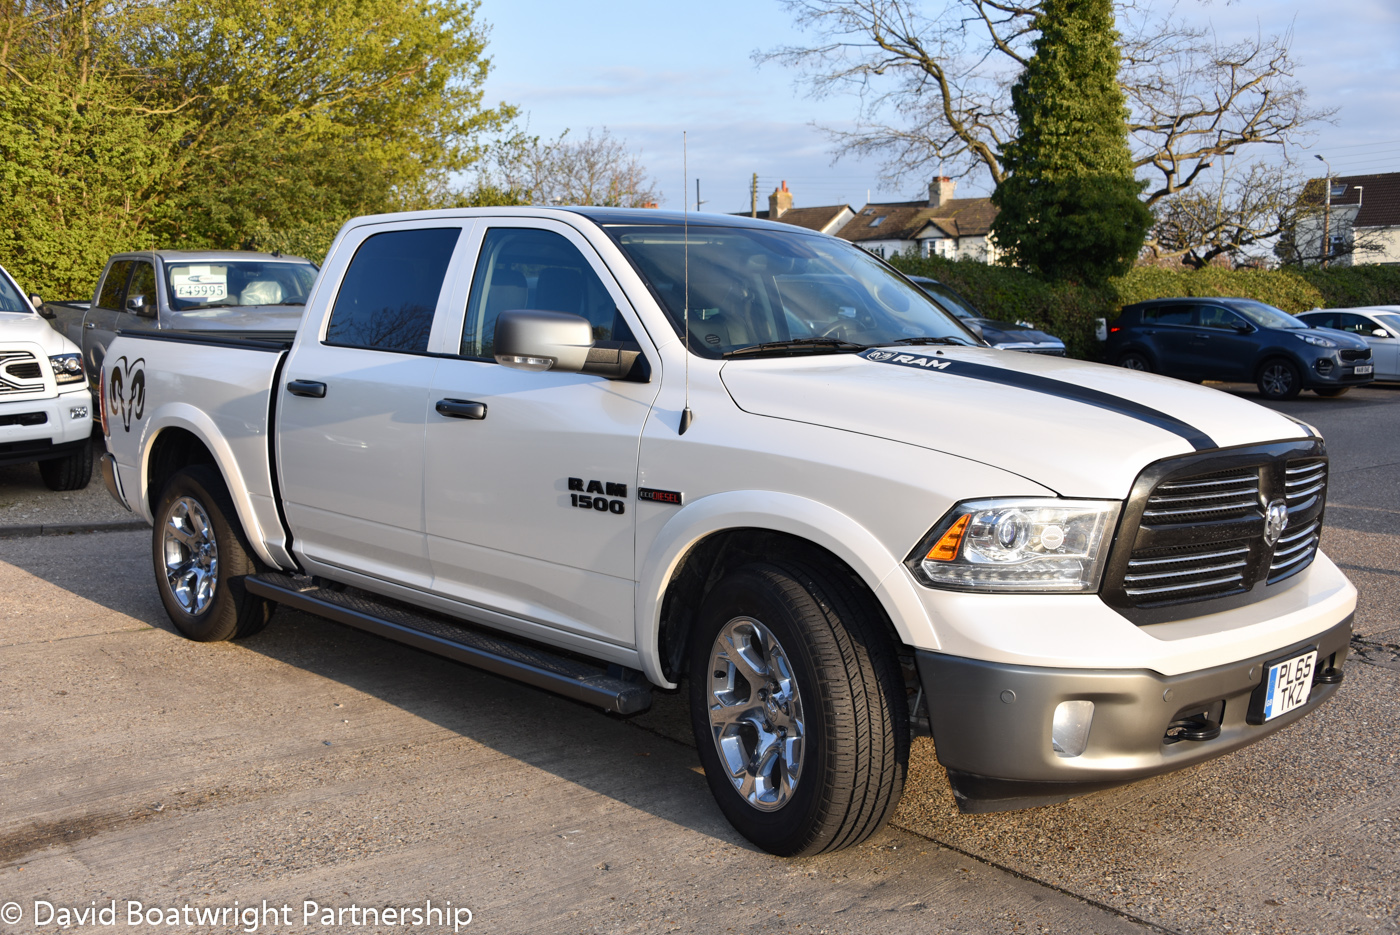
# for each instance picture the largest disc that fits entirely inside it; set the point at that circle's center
(1266, 316)
(948, 298)
(11, 299)
(758, 287)
(223, 283)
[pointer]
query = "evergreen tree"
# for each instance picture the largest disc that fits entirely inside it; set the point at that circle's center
(1070, 206)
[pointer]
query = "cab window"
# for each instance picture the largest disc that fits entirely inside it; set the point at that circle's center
(143, 284)
(521, 268)
(387, 299)
(1354, 324)
(1220, 319)
(114, 286)
(1167, 315)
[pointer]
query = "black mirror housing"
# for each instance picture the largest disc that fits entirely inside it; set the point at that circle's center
(536, 340)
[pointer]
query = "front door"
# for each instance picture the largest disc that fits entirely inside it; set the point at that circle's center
(1225, 344)
(530, 507)
(352, 405)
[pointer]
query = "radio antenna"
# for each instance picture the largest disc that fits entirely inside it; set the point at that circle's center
(686, 415)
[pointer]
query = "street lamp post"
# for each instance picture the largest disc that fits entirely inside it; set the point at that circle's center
(1327, 214)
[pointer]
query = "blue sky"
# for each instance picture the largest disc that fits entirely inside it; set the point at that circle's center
(648, 70)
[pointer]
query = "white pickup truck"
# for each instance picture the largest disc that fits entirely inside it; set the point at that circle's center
(44, 398)
(606, 451)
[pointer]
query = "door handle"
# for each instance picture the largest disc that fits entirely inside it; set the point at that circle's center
(306, 388)
(89, 324)
(461, 409)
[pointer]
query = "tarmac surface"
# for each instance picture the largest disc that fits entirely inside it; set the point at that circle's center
(314, 762)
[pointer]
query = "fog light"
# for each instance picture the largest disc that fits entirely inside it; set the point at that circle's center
(77, 412)
(1070, 733)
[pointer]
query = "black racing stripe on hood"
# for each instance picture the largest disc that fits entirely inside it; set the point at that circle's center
(1036, 384)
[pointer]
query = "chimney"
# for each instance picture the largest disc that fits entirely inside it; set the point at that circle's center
(940, 191)
(779, 203)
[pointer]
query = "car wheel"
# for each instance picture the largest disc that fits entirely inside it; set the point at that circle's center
(201, 558)
(1279, 379)
(798, 708)
(71, 472)
(1333, 391)
(1135, 361)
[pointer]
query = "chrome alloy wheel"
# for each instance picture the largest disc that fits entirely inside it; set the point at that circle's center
(756, 713)
(191, 556)
(1277, 379)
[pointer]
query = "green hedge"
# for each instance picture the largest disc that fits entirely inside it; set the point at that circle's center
(1069, 310)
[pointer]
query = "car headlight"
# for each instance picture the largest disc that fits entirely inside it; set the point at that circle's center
(1018, 544)
(67, 368)
(1315, 341)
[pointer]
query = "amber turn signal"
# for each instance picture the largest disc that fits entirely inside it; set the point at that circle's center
(946, 548)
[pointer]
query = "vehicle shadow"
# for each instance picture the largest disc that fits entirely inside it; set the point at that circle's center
(645, 762)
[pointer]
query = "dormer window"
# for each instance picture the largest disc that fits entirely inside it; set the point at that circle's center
(877, 221)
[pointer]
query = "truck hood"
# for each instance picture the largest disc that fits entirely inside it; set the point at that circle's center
(1081, 429)
(29, 328)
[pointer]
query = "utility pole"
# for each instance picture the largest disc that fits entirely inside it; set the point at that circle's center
(753, 197)
(1327, 214)
(698, 202)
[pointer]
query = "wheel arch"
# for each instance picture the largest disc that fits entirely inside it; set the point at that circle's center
(713, 534)
(183, 435)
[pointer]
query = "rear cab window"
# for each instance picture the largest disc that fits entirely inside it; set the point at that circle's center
(390, 291)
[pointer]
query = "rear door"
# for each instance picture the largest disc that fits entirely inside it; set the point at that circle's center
(100, 322)
(1170, 332)
(531, 506)
(353, 398)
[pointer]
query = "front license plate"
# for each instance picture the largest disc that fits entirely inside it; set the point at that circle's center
(1288, 684)
(1362, 370)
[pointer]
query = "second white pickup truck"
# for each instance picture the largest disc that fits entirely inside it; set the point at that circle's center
(603, 451)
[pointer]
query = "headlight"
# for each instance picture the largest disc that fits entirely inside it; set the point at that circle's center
(1018, 544)
(67, 368)
(1315, 341)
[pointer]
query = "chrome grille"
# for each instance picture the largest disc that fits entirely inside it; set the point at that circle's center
(1192, 538)
(1196, 574)
(20, 373)
(1221, 495)
(1305, 483)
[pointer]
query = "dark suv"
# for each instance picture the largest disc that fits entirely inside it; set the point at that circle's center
(1238, 340)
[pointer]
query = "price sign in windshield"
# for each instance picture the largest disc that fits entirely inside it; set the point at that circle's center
(199, 283)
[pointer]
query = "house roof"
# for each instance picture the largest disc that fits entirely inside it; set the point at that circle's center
(1379, 197)
(906, 220)
(816, 219)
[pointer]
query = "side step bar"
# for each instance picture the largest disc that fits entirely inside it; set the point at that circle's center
(564, 676)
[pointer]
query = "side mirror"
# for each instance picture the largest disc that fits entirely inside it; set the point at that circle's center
(1242, 328)
(138, 305)
(526, 339)
(538, 341)
(39, 306)
(34, 300)
(1378, 332)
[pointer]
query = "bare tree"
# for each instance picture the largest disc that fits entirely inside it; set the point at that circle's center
(1239, 211)
(933, 89)
(597, 169)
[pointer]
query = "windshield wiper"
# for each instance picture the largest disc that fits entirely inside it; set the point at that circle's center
(797, 344)
(955, 342)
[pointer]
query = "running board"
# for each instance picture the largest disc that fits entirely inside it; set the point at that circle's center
(571, 678)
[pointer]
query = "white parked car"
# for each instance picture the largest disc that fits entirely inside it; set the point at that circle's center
(1377, 325)
(601, 450)
(45, 406)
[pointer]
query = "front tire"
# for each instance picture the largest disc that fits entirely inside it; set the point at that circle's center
(201, 557)
(798, 708)
(1279, 380)
(71, 472)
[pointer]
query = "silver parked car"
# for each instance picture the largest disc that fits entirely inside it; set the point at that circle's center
(1377, 325)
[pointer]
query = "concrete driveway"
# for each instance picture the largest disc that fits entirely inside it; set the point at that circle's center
(316, 763)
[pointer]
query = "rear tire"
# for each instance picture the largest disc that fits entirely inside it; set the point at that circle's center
(1135, 361)
(1279, 379)
(201, 557)
(71, 472)
(798, 708)
(1333, 391)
